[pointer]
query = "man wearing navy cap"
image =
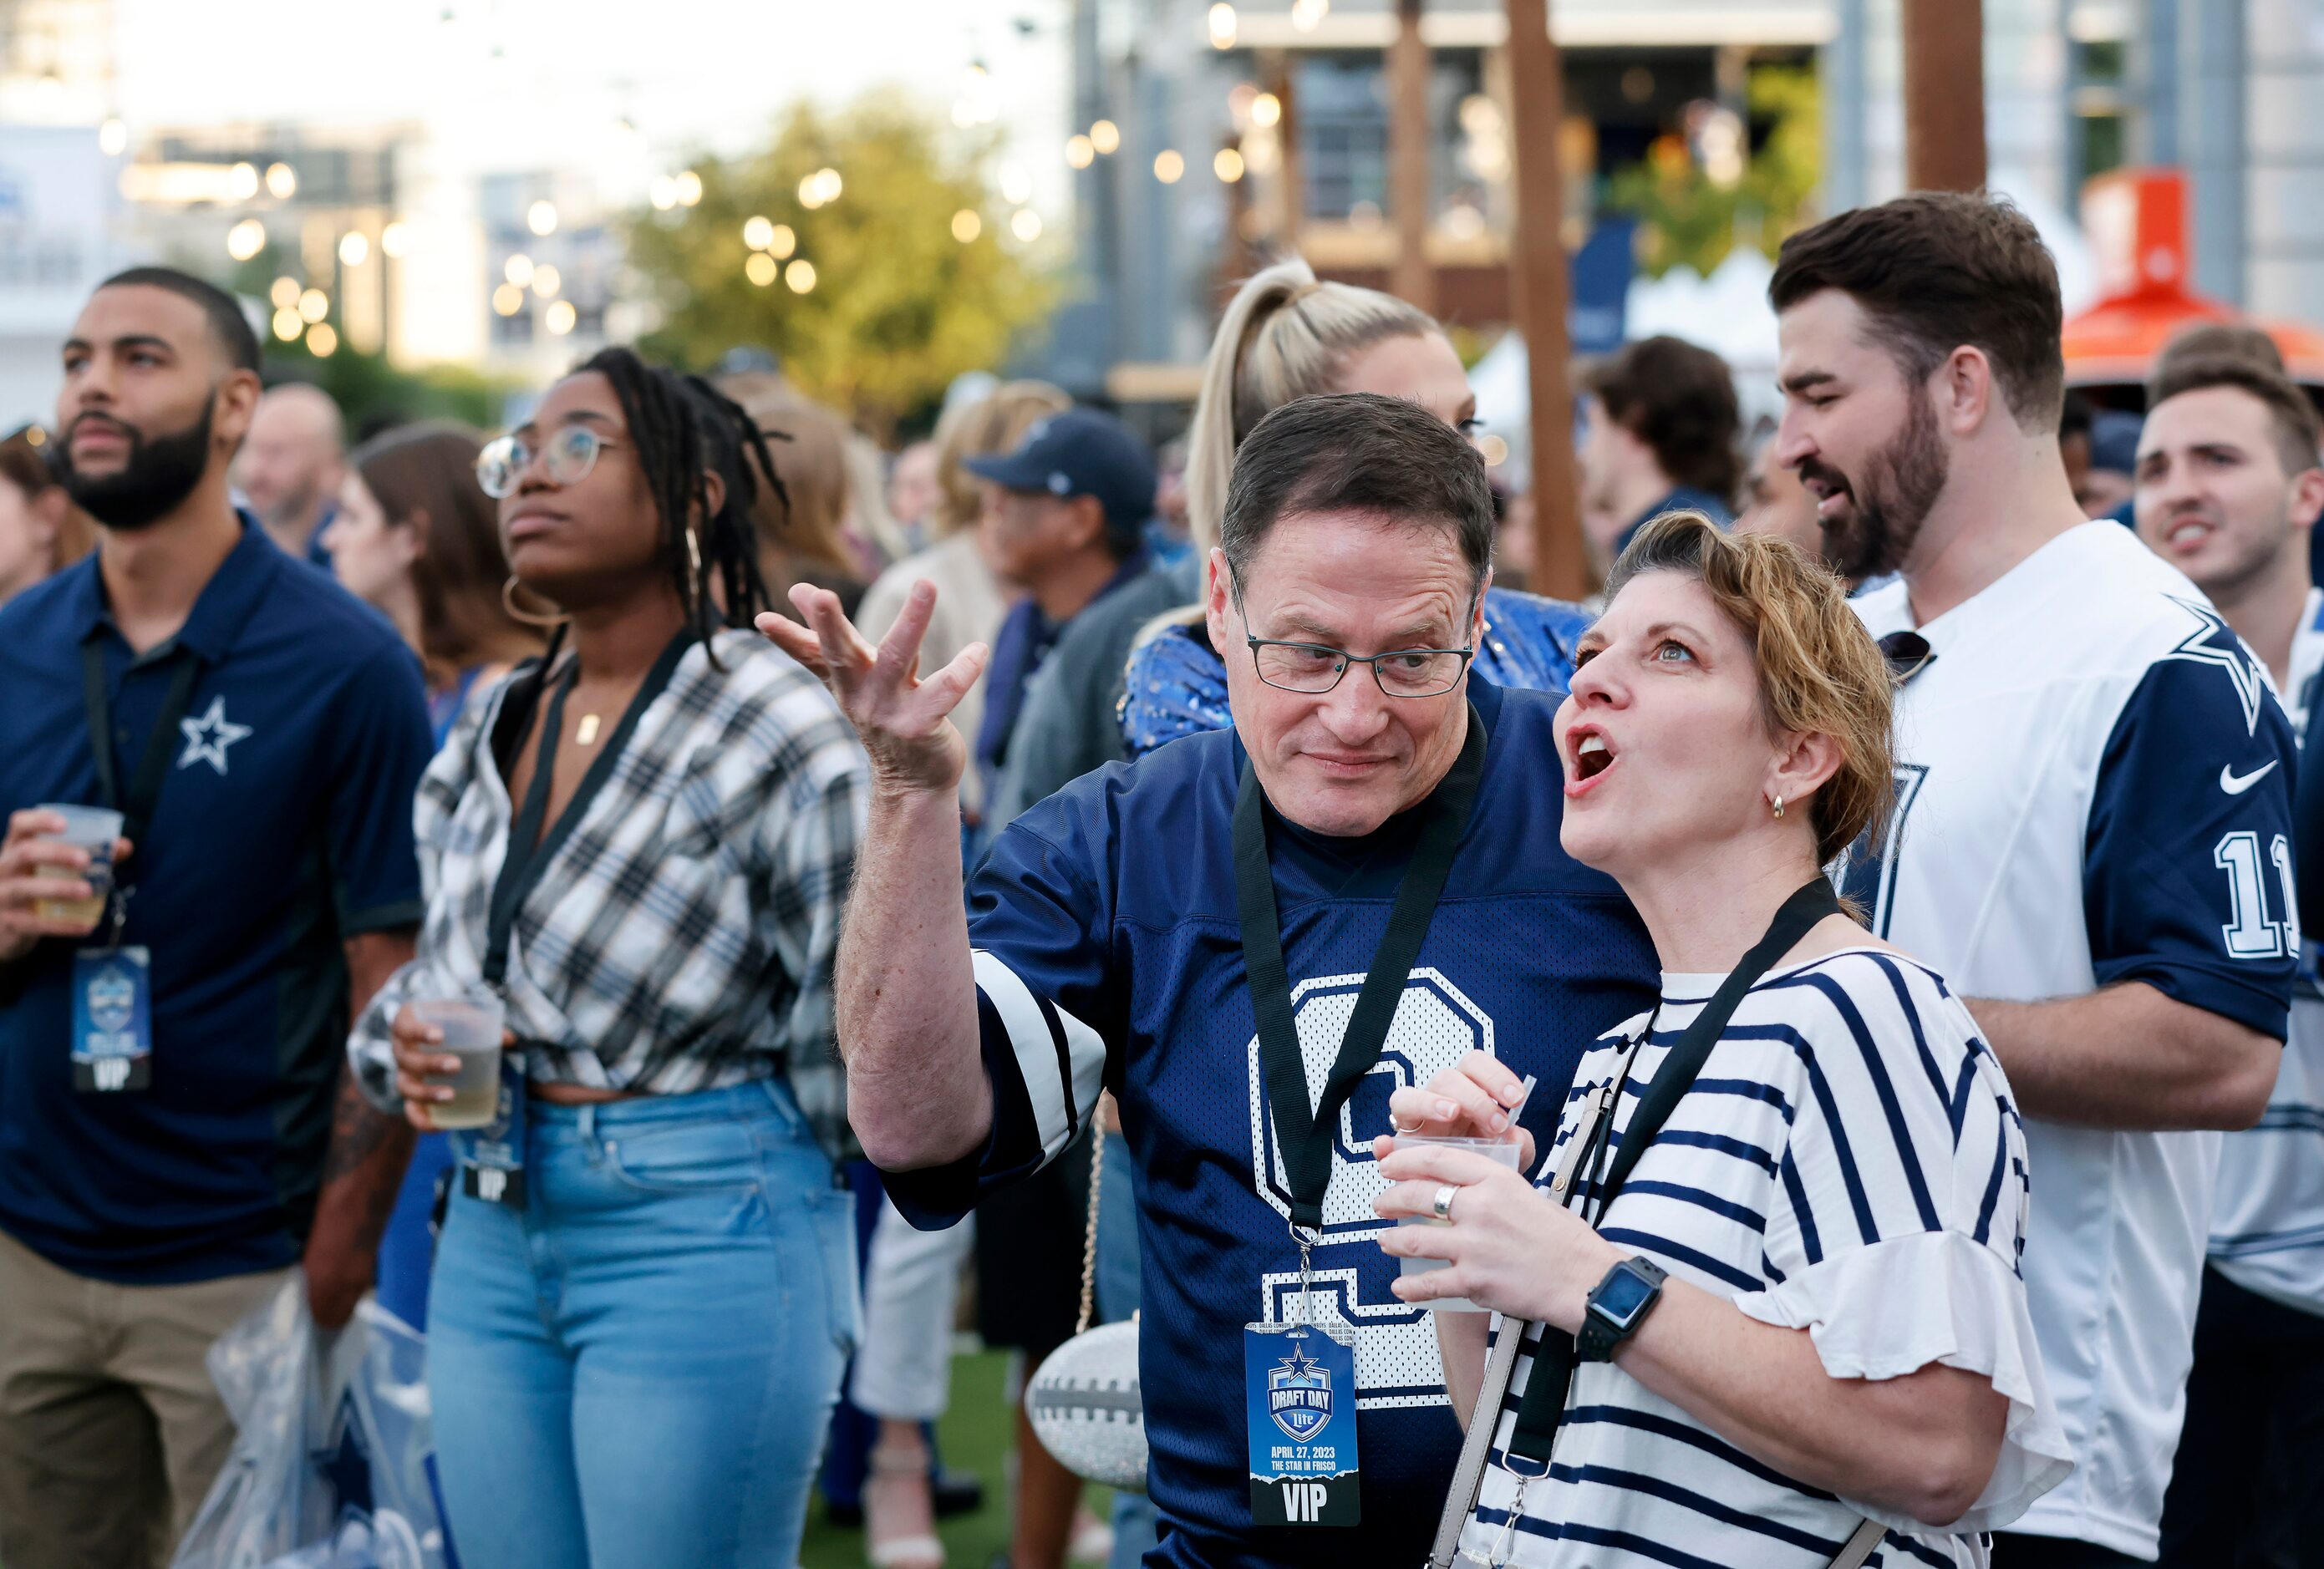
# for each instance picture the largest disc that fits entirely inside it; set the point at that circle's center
(1064, 519)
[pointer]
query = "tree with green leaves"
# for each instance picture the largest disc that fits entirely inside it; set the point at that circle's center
(1687, 217)
(895, 303)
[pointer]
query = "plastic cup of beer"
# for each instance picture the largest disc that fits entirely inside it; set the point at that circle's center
(1505, 1150)
(93, 829)
(472, 1021)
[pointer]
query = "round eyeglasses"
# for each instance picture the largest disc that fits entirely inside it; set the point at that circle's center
(1313, 668)
(566, 455)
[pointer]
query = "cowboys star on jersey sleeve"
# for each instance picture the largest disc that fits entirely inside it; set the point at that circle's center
(2188, 870)
(1045, 1011)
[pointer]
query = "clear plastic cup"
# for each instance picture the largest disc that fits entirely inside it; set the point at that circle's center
(93, 829)
(472, 1022)
(1508, 1151)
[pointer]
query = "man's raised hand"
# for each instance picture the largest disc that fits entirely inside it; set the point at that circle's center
(904, 719)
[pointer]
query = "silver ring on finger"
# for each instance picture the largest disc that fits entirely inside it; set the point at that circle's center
(1402, 1131)
(1442, 1205)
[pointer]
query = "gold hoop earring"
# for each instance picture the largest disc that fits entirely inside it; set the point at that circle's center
(1779, 806)
(519, 613)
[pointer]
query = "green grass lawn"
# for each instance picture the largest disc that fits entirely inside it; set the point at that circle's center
(974, 1436)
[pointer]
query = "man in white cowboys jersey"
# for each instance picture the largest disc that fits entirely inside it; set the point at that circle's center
(1252, 937)
(2228, 491)
(2091, 838)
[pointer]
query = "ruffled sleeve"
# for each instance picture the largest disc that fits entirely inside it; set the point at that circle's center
(1898, 1306)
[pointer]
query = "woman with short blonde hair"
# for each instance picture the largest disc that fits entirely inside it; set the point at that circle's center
(1763, 1304)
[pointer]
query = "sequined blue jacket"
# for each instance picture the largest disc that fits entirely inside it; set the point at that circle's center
(1176, 685)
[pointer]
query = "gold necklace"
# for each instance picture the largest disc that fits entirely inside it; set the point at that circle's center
(587, 735)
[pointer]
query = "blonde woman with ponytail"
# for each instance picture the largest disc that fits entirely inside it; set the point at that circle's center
(1288, 336)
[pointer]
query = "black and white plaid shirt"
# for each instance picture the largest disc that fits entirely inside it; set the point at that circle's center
(681, 937)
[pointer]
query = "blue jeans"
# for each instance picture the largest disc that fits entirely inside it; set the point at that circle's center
(636, 1370)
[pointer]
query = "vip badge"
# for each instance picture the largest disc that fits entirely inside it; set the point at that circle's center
(112, 1019)
(113, 1002)
(1299, 1396)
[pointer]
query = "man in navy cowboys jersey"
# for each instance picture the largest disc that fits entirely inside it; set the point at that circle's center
(2090, 838)
(2229, 490)
(1103, 947)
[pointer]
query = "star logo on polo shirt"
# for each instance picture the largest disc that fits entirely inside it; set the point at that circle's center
(208, 737)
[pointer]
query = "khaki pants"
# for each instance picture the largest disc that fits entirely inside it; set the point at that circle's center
(110, 1429)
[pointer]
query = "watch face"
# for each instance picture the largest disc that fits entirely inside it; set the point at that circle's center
(1620, 1297)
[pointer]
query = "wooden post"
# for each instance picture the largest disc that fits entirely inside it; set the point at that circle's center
(1539, 283)
(1945, 95)
(1409, 139)
(1291, 191)
(1238, 256)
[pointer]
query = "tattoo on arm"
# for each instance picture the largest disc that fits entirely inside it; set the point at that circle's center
(357, 1132)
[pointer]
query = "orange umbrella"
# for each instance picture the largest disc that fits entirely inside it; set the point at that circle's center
(2116, 341)
(2136, 219)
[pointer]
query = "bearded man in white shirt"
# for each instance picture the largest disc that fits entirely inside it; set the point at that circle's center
(2065, 847)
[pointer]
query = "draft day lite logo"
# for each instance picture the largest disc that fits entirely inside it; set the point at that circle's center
(1299, 1396)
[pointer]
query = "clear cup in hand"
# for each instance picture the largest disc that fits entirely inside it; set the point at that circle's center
(1506, 1150)
(472, 1022)
(93, 829)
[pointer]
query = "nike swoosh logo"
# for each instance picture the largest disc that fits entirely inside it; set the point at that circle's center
(2236, 784)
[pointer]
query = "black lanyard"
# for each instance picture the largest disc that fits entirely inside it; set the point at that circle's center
(1306, 1140)
(1553, 1363)
(529, 853)
(154, 764)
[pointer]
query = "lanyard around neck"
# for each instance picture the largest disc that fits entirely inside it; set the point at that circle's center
(1304, 1138)
(144, 794)
(529, 851)
(1552, 1371)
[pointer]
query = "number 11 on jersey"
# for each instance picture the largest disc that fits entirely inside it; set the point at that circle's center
(2252, 934)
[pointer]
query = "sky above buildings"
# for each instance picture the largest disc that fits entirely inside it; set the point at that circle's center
(522, 83)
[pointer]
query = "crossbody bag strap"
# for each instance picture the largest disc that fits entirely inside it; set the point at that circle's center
(1860, 1546)
(1485, 1416)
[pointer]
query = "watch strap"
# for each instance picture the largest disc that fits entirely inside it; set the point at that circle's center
(1599, 1335)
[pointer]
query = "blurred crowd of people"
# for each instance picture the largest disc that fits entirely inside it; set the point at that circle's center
(388, 722)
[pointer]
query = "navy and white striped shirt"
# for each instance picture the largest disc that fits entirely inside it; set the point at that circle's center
(1848, 1161)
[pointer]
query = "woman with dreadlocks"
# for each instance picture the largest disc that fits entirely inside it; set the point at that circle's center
(645, 1287)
